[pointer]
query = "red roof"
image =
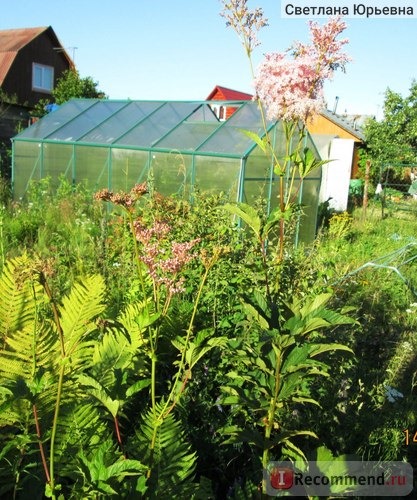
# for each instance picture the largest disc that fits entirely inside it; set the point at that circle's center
(15, 39)
(228, 94)
(12, 40)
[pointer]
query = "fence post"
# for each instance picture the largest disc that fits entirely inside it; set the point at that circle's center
(366, 186)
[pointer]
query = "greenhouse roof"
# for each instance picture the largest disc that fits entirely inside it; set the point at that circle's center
(188, 127)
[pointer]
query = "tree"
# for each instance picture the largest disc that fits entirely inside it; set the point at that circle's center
(394, 138)
(71, 85)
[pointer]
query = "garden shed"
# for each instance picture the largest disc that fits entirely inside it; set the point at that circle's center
(181, 145)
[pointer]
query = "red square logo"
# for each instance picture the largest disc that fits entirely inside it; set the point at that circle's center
(281, 478)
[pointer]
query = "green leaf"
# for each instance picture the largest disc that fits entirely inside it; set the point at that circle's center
(237, 435)
(254, 315)
(302, 399)
(308, 162)
(248, 214)
(318, 302)
(78, 311)
(262, 142)
(284, 436)
(125, 467)
(289, 449)
(96, 390)
(320, 348)
(138, 386)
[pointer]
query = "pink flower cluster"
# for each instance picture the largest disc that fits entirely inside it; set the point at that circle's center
(163, 263)
(292, 88)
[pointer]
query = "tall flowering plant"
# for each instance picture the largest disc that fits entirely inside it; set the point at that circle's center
(275, 369)
(160, 263)
(289, 87)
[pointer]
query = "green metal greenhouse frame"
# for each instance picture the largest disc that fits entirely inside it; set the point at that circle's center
(181, 145)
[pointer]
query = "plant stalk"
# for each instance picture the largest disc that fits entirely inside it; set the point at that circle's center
(271, 416)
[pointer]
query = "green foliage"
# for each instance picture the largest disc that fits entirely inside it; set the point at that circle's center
(170, 460)
(393, 139)
(40, 354)
(101, 475)
(216, 394)
(71, 85)
(274, 371)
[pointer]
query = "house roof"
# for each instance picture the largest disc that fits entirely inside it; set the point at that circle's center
(229, 94)
(351, 124)
(13, 40)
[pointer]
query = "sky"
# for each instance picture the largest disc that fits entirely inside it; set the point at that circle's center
(182, 49)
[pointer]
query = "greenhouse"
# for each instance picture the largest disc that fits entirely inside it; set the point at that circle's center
(181, 146)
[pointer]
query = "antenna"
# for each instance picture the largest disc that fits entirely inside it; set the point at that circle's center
(336, 101)
(63, 49)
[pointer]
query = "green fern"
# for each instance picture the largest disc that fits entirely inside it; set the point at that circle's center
(17, 289)
(163, 447)
(41, 353)
(104, 471)
(78, 312)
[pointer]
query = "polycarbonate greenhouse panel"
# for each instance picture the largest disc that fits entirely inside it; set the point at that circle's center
(217, 175)
(127, 168)
(156, 125)
(248, 117)
(75, 129)
(28, 157)
(189, 135)
(229, 141)
(58, 161)
(92, 166)
(172, 173)
(258, 166)
(117, 124)
(56, 119)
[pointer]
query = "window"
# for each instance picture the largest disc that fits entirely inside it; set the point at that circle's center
(42, 78)
(220, 112)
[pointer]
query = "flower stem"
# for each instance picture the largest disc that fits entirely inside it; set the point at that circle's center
(271, 416)
(41, 449)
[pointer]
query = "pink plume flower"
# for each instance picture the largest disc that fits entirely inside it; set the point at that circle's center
(164, 264)
(292, 88)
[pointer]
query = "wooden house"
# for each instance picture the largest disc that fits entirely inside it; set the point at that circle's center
(334, 126)
(31, 62)
(224, 111)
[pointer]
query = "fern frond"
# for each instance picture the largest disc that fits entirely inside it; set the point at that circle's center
(79, 428)
(136, 318)
(171, 461)
(17, 291)
(113, 351)
(78, 311)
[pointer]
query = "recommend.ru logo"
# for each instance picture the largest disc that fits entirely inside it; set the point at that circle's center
(339, 478)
